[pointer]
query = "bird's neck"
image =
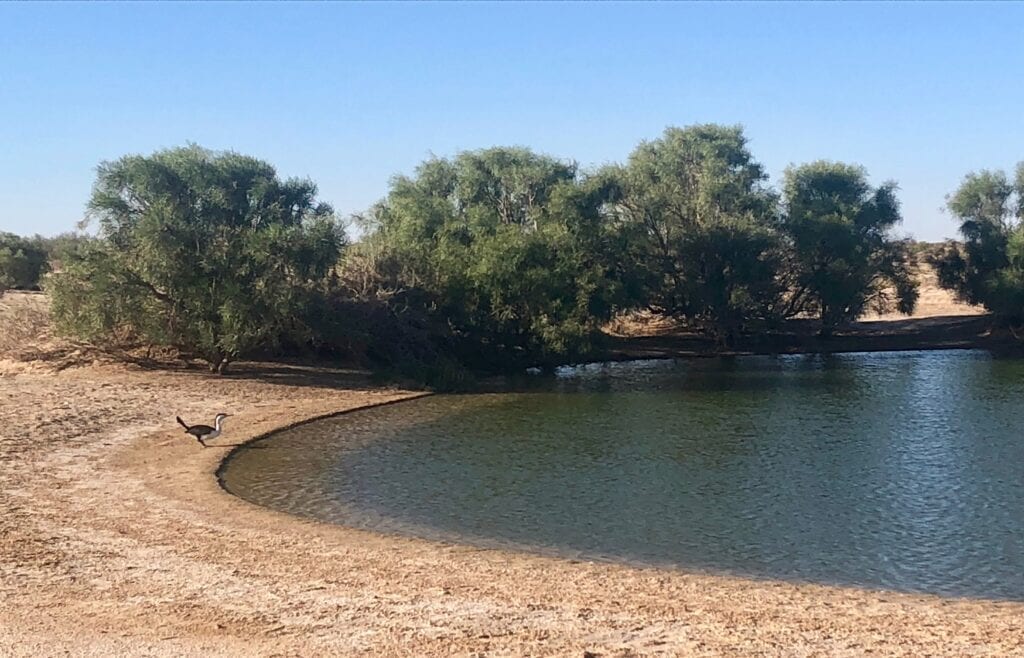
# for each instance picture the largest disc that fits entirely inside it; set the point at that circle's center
(217, 423)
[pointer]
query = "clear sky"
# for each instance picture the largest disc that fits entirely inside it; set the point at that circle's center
(351, 94)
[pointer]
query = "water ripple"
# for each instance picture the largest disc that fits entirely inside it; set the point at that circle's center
(894, 470)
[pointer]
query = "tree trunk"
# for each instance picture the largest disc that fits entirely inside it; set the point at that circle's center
(826, 325)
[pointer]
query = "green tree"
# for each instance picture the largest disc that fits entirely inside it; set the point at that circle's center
(61, 246)
(509, 246)
(702, 224)
(988, 268)
(23, 262)
(843, 259)
(206, 251)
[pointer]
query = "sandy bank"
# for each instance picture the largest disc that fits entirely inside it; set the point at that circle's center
(116, 540)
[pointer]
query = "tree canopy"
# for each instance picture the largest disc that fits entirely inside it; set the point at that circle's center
(988, 268)
(842, 257)
(23, 262)
(494, 258)
(205, 251)
(702, 225)
(510, 245)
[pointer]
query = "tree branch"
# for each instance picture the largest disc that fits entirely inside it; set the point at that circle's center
(160, 295)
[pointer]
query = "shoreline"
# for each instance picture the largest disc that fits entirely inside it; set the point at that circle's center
(122, 541)
(222, 465)
(949, 332)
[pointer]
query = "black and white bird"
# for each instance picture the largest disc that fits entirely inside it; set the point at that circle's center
(204, 433)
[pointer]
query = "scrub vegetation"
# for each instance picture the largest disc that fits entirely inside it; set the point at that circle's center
(987, 268)
(24, 262)
(498, 258)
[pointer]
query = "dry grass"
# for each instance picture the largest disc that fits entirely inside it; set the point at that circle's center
(933, 301)
(641, 323)
(24, 321)
(28, 341)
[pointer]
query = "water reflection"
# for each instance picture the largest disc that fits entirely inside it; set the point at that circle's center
(892, 470)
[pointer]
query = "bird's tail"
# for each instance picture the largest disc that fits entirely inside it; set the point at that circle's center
(182, 423)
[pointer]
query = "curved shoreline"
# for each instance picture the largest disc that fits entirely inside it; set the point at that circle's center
(226, 459)
(295, 473)
(123, 542)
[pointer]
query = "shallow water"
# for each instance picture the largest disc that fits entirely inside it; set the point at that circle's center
(893, 470)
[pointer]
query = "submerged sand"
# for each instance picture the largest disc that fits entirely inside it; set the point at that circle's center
(115, 539)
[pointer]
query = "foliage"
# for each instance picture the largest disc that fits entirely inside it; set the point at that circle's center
(702, 228)
(497, 258)
(508, 246)
(843, 259)
(988, 268)
(62, 246)
(23, 262)
(205, 251)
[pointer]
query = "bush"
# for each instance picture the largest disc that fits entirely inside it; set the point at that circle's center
(988, 268)
(206, 252)
(23, 262)
(701, 229)
(506, 248)
(843, 259)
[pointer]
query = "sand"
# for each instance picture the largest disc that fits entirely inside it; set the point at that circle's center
(115, 539)
(932, 301)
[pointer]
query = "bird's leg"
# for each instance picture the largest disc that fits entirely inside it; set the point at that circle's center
(201, 442)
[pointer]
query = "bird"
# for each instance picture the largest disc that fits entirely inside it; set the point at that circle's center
(204, 433)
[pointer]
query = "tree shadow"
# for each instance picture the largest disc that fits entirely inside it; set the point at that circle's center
(801, 336)
(303, 373)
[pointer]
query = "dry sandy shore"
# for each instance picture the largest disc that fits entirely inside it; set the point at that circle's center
(115, 539)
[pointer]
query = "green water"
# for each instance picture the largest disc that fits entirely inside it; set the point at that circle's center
(892, 470)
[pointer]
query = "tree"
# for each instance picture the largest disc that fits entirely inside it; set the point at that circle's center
(209, 252)
(988, 268)
(23, 262)
(59, 247)
(702, 226)
(843, 258)
(508, 245)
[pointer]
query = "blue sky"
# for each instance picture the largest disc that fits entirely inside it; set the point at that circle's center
(351, 94)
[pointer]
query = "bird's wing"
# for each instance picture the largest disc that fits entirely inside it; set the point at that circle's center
(200, 430)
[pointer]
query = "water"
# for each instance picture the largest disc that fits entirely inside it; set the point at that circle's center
(893, 470)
